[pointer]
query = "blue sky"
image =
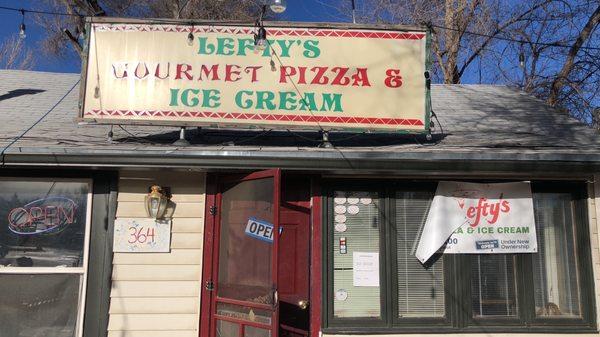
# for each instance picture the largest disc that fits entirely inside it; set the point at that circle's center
(298, 10)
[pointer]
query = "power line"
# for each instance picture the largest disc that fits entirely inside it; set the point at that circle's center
(495, 37)
(507, 39)
(23, 10)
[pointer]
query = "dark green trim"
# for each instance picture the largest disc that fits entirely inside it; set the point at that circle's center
(100, 258)
(329, 319)
(457, 270)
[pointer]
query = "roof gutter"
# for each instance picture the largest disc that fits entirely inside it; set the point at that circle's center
(421, 163)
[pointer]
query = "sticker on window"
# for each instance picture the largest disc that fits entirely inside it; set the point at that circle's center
(260, 229)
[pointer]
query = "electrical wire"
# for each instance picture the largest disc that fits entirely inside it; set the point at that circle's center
(21, 10)
(16, 139)
(507, 39)
(468, 32)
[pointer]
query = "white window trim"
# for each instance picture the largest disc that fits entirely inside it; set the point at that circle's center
(64, 270)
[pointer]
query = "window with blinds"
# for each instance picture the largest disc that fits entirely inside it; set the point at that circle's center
(357, 219)
(420, 289)
(499, 293)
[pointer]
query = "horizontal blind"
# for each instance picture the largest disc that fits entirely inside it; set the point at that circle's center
(420, 289)
(357, 220)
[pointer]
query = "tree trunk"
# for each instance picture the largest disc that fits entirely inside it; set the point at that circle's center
(561, 79)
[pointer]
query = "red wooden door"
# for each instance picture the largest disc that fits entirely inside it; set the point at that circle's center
(243, 284)
(294, 255)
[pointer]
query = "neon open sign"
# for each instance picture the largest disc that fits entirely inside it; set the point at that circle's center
(48, 215)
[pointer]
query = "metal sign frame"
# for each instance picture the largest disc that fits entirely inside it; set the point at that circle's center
(220, 125)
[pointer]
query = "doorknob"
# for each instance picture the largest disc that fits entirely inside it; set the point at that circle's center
(303, 304)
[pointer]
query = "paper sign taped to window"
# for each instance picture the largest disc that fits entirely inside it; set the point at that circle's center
(260, 229)
(365, 268)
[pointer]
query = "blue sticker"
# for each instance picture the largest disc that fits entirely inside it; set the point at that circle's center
(260, 229)
(487, 244)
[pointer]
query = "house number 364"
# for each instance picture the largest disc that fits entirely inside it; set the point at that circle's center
(141, 234)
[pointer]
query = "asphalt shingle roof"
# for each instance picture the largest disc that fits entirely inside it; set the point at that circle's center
(484, 120)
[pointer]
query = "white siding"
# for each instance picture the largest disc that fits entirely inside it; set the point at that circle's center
(158, 294)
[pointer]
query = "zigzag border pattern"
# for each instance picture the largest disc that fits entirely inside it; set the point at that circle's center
(253, 116)
(272, 31)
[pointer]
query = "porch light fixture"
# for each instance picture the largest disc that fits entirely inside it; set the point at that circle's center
(156, 202)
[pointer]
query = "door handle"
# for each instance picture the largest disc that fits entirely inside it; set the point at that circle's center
(303, 304)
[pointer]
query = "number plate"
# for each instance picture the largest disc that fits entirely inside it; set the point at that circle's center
(142, 236)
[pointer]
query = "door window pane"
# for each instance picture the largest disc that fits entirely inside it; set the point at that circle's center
(42, 223)
(356, 221)
(420, 288)
(245, 260)
(556, 277)
(493, 285)
(227, 329)
(244, 313)
(251, 331)
(39, 305)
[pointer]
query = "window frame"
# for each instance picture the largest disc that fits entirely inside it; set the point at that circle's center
(82, 271)
(329, 319)
(457, 283)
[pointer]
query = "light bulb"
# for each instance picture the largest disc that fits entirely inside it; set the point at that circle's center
(522, 60)
(260, 39)
(190, 39)
(22, 33)
(278, 6)
(261, 45)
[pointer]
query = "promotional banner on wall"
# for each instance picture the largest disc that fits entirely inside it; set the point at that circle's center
(471, 218)
(313, 76)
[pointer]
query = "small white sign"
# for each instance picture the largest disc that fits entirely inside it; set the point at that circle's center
(353, 209)
(341, 295)
(365, 268)
(260, 229)
(340, 227)
(142, 236)
(340, 209)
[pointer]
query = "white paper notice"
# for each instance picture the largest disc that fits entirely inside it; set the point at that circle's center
(366, 269)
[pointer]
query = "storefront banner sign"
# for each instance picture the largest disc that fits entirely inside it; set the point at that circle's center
(470, 218)
(260, 229)
(365, 268)
(142, 236)
(308, 78)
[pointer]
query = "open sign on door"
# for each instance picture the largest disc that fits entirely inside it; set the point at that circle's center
(260, 229)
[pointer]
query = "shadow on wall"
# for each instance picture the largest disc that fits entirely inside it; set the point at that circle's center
(19, 92)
